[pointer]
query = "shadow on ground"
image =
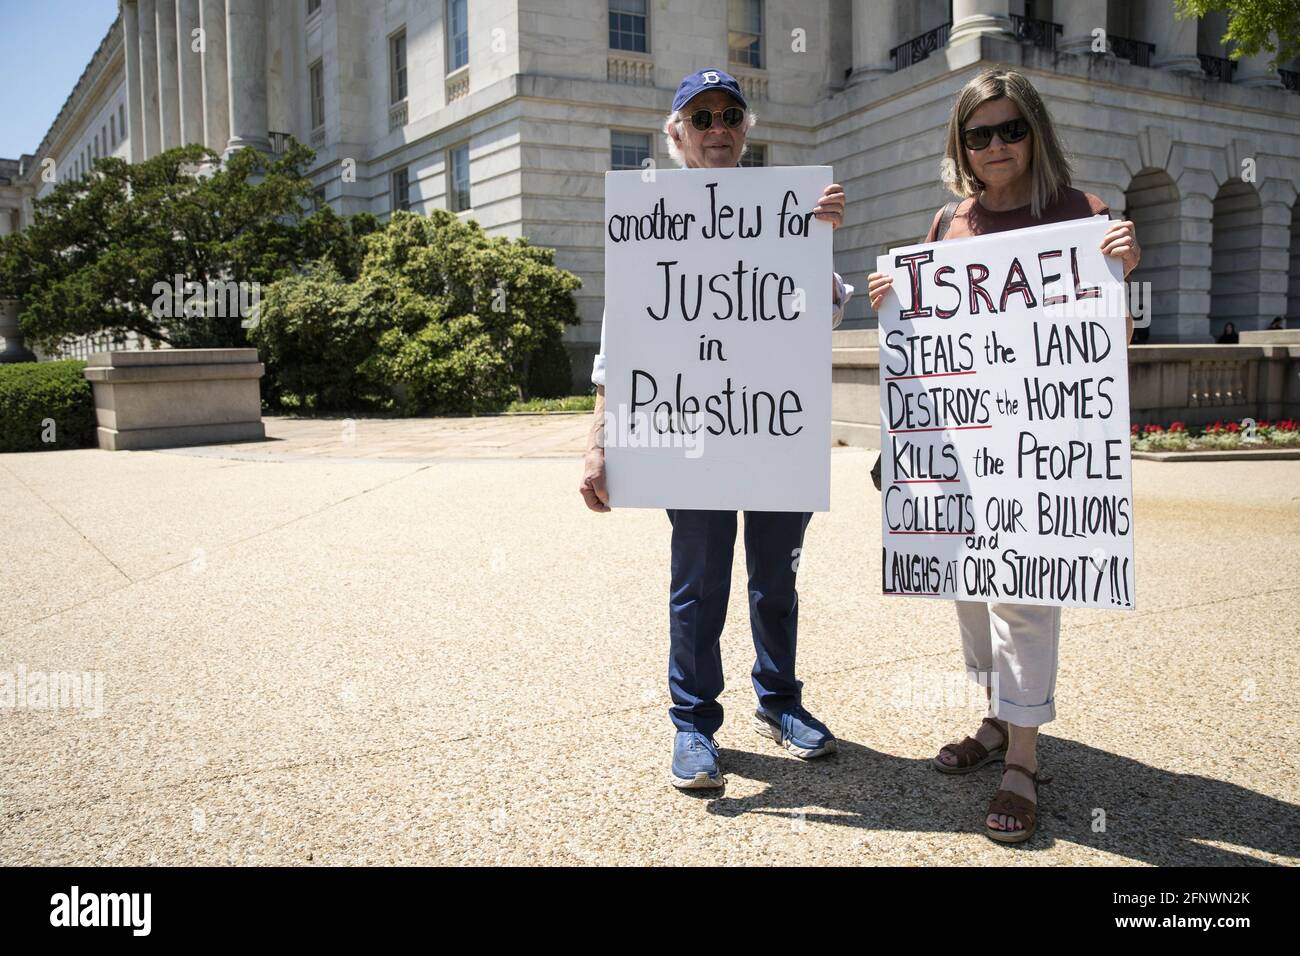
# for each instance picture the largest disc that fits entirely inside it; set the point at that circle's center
(1151, 816)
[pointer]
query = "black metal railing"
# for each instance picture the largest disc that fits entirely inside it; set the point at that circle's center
(1290, 79)
(919, 48)
(1218, 68)
(1041, 33)
(279, 142)
(1137, 52)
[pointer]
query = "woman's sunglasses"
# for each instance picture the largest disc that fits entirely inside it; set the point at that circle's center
(979, 137)
(732, 117)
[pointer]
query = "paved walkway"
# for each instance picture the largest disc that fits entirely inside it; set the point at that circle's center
(330, 655)
(562, 435)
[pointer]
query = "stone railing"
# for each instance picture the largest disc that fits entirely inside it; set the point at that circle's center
(1218, 68)
(1202, 384)
(457, 84)
(753, 85)
(630, 69)
(1194, 384)
(1137, 52)
(919, 48)
(397, 116)
(1041, 33)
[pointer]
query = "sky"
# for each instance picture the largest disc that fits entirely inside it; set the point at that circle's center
(44, 46)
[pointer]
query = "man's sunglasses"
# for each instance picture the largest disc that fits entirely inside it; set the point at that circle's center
(732, 117)
(979, 137)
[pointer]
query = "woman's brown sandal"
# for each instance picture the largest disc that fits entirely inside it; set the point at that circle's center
(970, 753)
(1020, 809)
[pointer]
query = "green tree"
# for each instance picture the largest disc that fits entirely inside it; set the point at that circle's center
(1254, 25)
(92, 260)
(440, 318)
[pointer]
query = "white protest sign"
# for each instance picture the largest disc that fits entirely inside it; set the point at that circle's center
(718, 295)
(1004, 420)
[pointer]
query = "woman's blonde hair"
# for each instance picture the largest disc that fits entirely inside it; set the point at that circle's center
(1049, 170)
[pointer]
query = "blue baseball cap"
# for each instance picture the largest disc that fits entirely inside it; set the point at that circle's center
(702, 80)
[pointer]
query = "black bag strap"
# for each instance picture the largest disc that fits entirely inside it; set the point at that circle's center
(945, 221)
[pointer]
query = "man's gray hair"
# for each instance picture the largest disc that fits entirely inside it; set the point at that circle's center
(676, 116)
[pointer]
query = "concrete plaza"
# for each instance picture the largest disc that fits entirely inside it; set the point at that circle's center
(409, 642)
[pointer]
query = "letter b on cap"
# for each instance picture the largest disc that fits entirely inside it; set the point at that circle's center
(711, 77)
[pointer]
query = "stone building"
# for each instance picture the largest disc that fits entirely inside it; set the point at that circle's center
(511, 111)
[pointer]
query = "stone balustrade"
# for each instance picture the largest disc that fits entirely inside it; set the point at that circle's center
(630, 69)
(397, 114)
(458, 84)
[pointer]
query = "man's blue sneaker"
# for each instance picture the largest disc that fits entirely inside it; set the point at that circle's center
(695, 761)
(797, 731)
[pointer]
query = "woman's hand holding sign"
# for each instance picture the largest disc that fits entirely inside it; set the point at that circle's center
(1120, 242)
(878, 283)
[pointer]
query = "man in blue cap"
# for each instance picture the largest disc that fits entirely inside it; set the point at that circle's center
(707, 129)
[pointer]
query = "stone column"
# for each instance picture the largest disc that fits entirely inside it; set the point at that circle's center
(1175, 39)
(1194, 259)
(169, 104)
(1078, 19)
(875, 33)
(972, 18)
(246, 64)
(190, 70)
(1258, 70)
(216, 84)
(1278, 198)
(131, 44)
(14, 350)
(148, 30)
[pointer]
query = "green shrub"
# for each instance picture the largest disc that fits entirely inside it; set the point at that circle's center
(440, 319)
(44, 400)
(312, 331)
(566, 403)
(442, 368)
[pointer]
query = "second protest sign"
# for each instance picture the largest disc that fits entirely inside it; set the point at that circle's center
(1004, 420)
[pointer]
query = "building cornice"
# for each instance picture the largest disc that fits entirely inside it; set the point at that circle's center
(108, 56)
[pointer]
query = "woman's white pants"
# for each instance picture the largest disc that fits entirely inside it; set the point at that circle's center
(1012, 648)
